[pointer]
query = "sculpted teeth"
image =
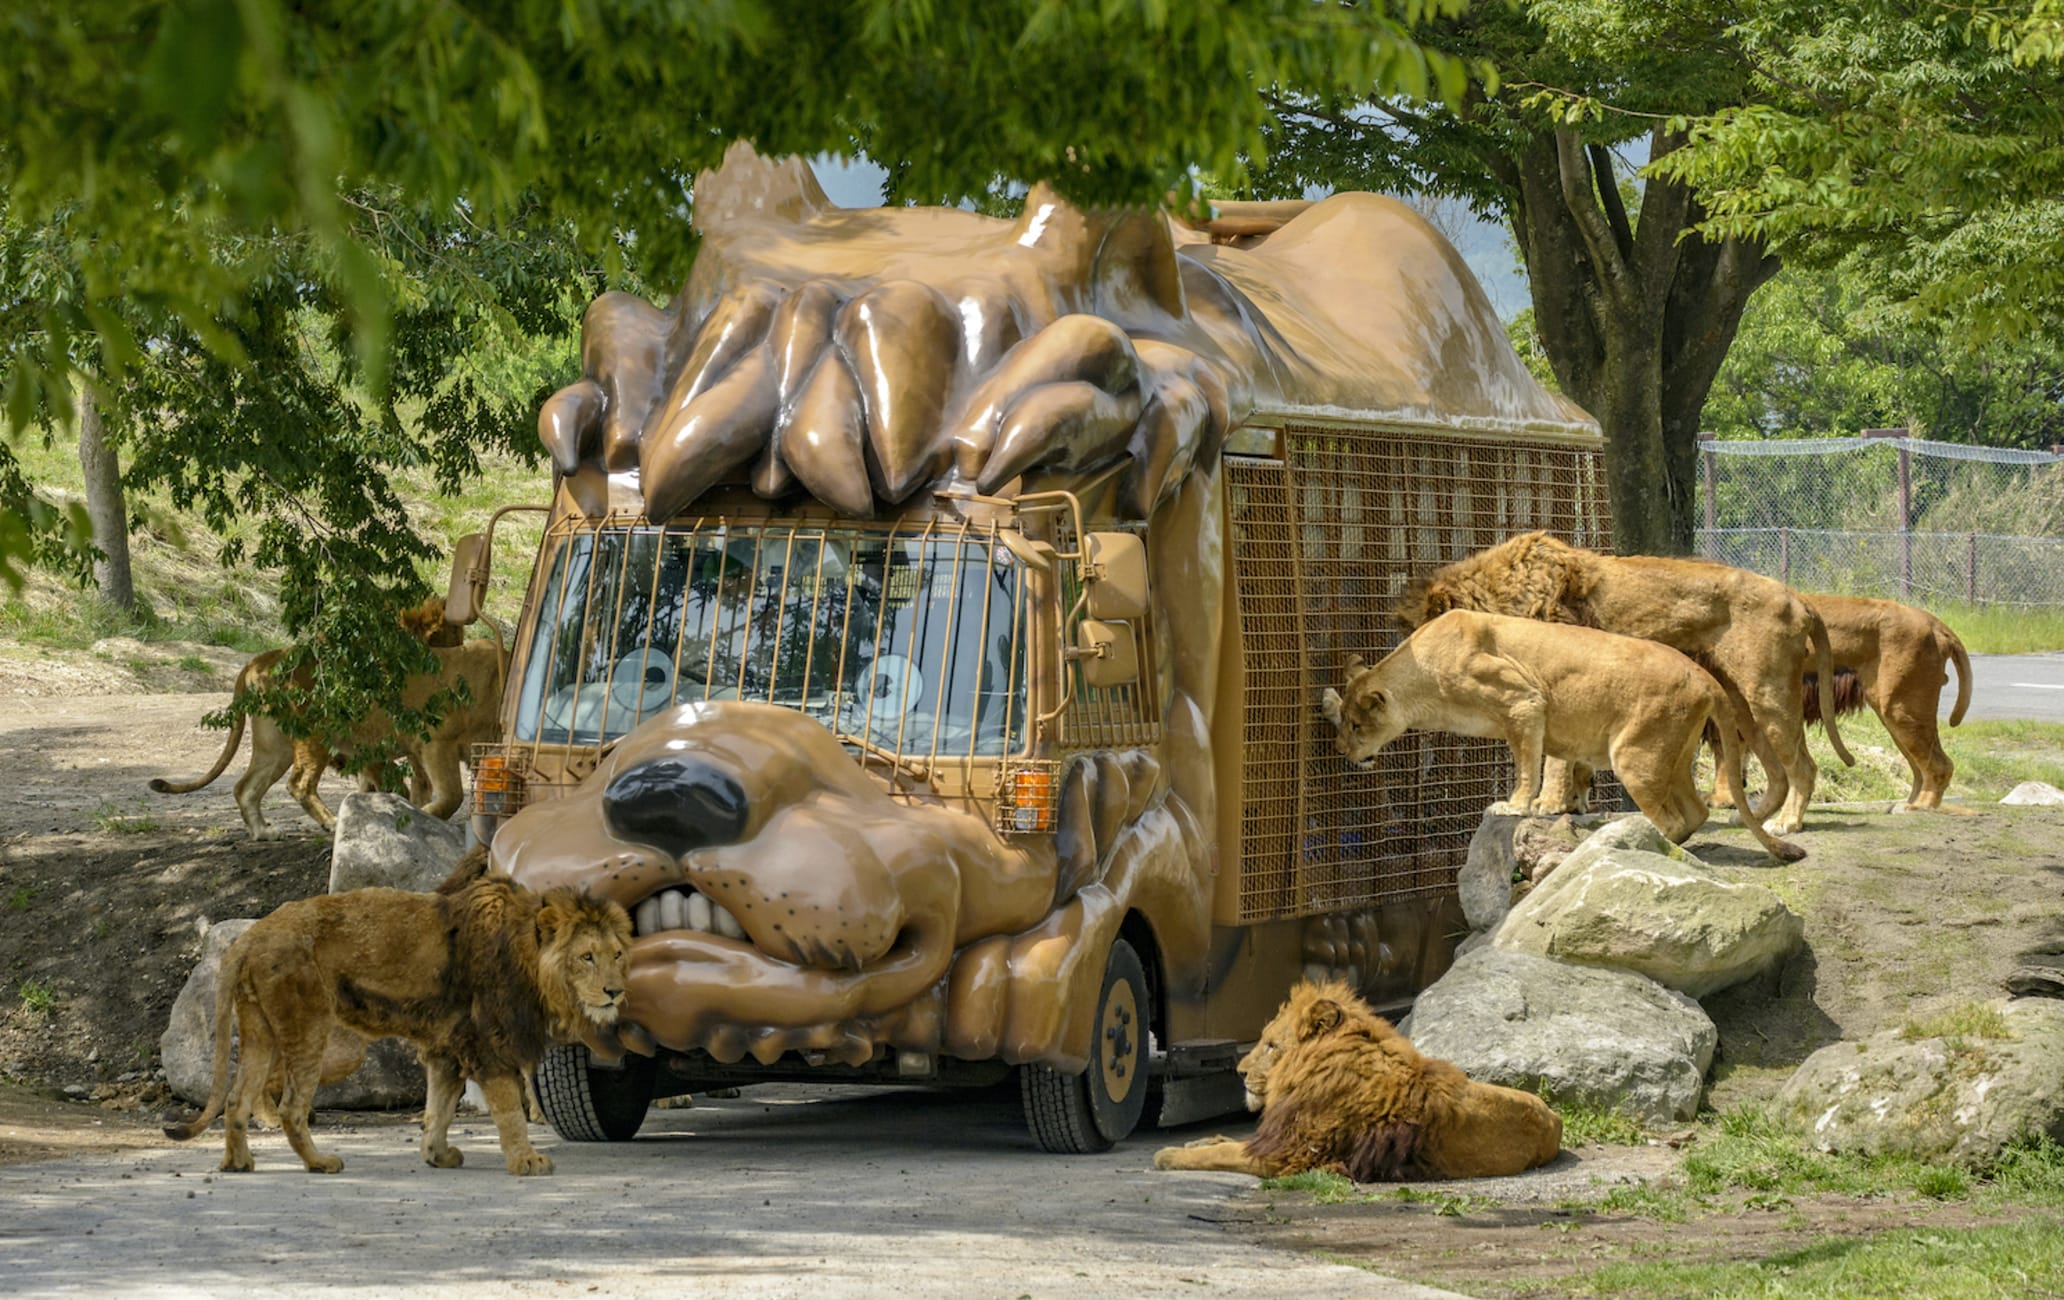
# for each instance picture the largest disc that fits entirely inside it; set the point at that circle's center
(685, 909)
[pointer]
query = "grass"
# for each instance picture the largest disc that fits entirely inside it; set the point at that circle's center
(21, 898)
(38, 998)
(2003, 629)
(1586, 1123)
(1967, 1020)
(1979, 1263)
(110, 818)
(1991, 757)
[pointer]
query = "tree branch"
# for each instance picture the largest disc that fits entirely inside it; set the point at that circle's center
(1580, 199)
(1609, 197)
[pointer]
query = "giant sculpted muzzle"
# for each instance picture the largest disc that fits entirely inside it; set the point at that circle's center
(848, 905)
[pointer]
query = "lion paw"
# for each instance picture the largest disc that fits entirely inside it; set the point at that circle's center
(444, 1158)
(1165, 1157)
(1505, 808)
(523, 1164)
(325, 1165)
(236, 1165)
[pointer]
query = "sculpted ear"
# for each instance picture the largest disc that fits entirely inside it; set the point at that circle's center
(1322, 1016)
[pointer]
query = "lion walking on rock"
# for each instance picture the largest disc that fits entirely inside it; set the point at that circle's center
(1754, 634)
(481, 976)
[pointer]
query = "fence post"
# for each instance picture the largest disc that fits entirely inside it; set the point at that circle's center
(1706, 454)
(1971, 568)
(1905, 506)
(1784, 555)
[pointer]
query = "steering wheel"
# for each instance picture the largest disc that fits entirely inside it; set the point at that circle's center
(641, 682)
(891, 681)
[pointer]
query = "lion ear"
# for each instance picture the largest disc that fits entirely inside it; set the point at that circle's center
(1323, 1015)
(1329, 706)
(553, 918)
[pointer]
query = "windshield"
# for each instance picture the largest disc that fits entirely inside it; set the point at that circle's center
(912, 644)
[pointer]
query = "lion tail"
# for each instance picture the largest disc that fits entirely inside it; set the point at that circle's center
(229, 746)
(1952, 645)
(1824, 659)
(225, 1012)
(1723, 732)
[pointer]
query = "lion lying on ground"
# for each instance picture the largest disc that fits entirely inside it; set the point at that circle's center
(434, 780)
(481, 976)
(1339, 1089)
(1587, 697)
(1755, 636)
(1898, 656)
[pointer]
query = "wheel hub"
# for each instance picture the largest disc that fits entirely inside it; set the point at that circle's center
(1118, 1056)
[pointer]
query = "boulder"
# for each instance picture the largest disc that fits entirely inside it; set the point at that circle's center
(2040, 793)
(390, 1079)
(1607, 1038)
(383, 839)
(1618, 901)
(1505, 850)
(1960, 1098)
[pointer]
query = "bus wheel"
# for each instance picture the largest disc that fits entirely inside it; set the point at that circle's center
(586, 1104)
(1075, 1114)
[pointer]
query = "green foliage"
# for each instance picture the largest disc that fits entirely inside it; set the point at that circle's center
(1926, 1264)
(1965, 1020)
(1922, 130)
(38, 998)
(1585, 1123)
(111, 818)
(1823, 352)
(1325, 1187)
(21, 898)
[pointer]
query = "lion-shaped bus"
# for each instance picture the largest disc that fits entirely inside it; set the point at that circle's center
(926, 641)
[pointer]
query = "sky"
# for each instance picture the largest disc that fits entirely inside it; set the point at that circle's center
(857, 183)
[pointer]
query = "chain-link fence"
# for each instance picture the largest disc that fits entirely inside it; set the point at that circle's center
(1899, 517)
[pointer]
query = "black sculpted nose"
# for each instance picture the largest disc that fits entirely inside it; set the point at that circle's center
(675, 804)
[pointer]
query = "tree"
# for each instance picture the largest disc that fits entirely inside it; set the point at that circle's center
(1823, 352)
(105, 505)
(276, 229)
(1924, 132)
(1634, 309)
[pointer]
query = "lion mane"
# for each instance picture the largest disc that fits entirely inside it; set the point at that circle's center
(1756, 636)
(481, 975)
(434, 783)
(1340, 1089)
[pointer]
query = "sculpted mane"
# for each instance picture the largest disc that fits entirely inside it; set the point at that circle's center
(859, 356)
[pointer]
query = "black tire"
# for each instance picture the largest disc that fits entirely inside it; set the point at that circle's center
(1078, 1114)
(586, 1104)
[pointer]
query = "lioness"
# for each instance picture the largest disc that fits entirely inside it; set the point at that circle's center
(1899, 657)
(1573, 693)
(481, 976)
(1755, 636)
(434, 783)
(1338, 1088)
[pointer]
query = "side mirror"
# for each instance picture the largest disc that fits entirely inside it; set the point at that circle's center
(1106, 652)
(468, 590)
(1115, 565)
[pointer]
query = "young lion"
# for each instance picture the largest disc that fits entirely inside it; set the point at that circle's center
(1755, 636)
(1553, 691)
(481, 975)
(1338, 1088)
(1899, 656)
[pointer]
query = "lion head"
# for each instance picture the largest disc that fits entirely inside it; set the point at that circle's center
(1362, 717)
(1533, 575)
(584, 957)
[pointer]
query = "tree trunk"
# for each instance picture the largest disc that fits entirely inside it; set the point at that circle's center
(105, 505)
(1636, 317)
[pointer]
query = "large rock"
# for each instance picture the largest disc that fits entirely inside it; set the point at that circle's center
(1962, 1098)
(390, 1079)
(383, 839)
(1604, 1037)
(1619, 901)
(2040, 793)
(1506, 850)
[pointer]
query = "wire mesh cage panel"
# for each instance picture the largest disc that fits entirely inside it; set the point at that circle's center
(1325, 537)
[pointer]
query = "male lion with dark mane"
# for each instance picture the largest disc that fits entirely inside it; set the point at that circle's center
(434, 779)
(1338, 1088)
(481, 976)
(1757, 638)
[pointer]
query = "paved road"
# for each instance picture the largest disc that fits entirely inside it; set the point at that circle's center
(787, 1191)
(2013, 686)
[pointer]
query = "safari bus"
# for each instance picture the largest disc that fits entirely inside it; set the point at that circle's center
(927, 634)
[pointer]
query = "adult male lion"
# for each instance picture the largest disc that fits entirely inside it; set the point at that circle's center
(1339, 1088)
(434, 782)
(1554, 691)
(1755, 636)
(1899, 657)
(481, 976)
